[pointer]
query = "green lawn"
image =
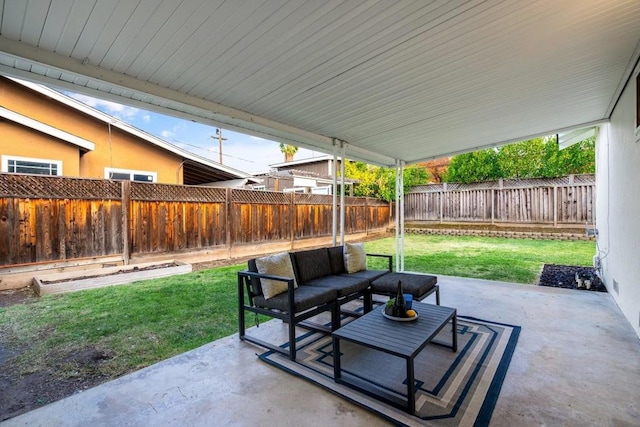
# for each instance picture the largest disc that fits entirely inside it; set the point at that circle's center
(510, 260)
(148, 321)
(140, 323)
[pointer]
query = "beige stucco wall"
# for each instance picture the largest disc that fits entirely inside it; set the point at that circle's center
(113, 148)
(618, 204)
(16, 140)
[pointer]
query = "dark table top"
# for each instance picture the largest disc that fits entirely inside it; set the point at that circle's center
(404, 339)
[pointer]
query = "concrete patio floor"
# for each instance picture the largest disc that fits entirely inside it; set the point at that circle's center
(577, 363)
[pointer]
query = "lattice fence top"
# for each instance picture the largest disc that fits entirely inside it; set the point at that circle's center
(314, 199)
(260, 197)
(176, 193)
(586, 179)
(54, 187)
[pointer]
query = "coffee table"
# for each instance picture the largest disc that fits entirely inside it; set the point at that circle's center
(402, 339)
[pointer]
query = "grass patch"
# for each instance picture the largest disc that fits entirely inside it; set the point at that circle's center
(491, 258)
(138, 324)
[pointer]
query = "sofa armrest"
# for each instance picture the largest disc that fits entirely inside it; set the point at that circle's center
(389, 259)
(245, 275)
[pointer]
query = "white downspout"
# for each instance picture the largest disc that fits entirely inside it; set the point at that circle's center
(401, 192)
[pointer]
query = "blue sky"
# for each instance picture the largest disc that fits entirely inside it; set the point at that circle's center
(244, 152)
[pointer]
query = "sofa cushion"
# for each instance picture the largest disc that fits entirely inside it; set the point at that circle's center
(311, 264)
(336, 256)
(370, 275)
(305, 297)
(275, 265)
(417, 285)
(355, 258)
(342, 284)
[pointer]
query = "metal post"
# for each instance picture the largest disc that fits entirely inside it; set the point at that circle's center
(343, 146)
(401, 192)
(334, 212)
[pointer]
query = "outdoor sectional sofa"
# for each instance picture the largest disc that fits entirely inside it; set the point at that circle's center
(296, 286)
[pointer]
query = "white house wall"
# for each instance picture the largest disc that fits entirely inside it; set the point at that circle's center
(618, 206)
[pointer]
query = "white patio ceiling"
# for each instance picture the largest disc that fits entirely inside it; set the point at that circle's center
(407, 80)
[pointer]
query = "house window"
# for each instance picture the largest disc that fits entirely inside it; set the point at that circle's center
(15, 164)
(293, 190)
(130, 175)
(259, 188)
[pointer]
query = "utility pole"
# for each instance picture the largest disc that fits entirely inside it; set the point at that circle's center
(220, 139)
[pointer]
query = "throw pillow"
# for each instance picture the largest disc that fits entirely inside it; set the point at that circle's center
(354, 257)
(275, 265)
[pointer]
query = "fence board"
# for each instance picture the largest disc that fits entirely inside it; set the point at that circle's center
(520, 202)
(44, 219)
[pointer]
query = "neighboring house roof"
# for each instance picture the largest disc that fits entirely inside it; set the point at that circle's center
(232, 183)
(196, 168)
(303, 161)
(83, 144)
(294, 173)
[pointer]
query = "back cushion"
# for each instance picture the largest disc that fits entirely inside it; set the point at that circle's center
(309, 265)
(337, 260)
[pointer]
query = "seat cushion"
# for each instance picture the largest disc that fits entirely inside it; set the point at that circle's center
(417, 285)
(355, 258)
(311, 264)
(275, 265)
(305, 297)
(343, 285)
(367, 274)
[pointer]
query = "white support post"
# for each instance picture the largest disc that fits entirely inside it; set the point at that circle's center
(334, 212)
(399, 219)
(401, 197)
(342, 210)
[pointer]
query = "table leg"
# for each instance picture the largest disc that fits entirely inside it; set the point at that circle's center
(337, 371)
(411, 389)
(455, 332)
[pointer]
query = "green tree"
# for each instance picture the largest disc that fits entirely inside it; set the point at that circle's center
(472, 167)
(380, 182)
(525, 159)
(534, 158)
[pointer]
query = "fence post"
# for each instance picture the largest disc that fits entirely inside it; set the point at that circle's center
(126, 230)
(493, 205)
(555, 205)
(366, 216)
(292, 218)
(444, 188)
(228, 218)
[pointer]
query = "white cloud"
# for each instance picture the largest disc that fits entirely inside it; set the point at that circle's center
(146, 118)
(112, 108)
(167, 134)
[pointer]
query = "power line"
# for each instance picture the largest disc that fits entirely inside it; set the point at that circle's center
(211, 150)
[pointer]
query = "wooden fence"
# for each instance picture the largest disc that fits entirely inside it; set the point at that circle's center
(47, 219)
(567, 200)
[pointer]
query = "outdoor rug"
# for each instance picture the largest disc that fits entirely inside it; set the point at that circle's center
(452, 389)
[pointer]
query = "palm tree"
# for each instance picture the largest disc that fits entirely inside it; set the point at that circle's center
(288, 151)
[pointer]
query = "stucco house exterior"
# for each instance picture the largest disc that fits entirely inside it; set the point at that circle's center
(43, 131)
(618, 201)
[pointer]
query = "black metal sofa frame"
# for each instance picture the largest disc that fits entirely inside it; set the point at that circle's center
(323, 286)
